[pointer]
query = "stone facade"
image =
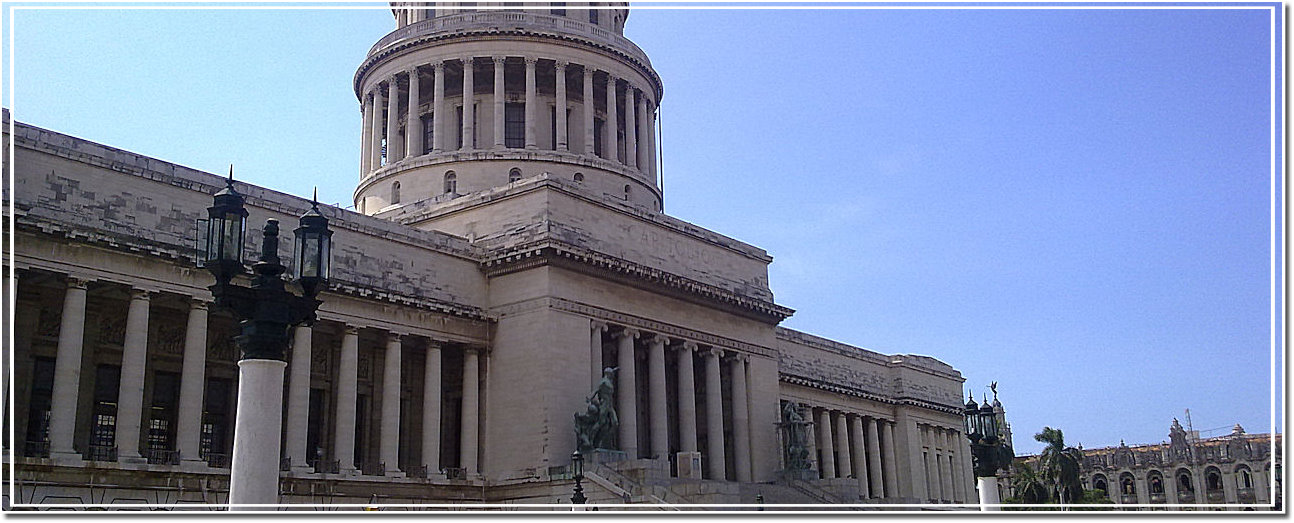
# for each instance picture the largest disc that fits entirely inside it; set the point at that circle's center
(464, 324)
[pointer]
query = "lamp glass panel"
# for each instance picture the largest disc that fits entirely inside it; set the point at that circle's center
(203, 240)
(325, 256)
(296, 257)
(231, 241)
(310, 255)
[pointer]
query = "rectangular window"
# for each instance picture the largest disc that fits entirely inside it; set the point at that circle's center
(103, 428)
(559, 9)
(161, 423)
(593, 15)
(514, 125)
(597, 136)
(314, 425)
(428, 133)
(215, 419)
(42, 388)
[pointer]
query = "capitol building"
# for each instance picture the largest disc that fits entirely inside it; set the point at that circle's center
(507, 245)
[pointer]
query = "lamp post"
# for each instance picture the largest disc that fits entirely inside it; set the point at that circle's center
(987, 450)
(266, 310)
(577, 471)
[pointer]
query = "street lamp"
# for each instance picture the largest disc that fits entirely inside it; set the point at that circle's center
(577, 471)
(987, 450)
(265, 311)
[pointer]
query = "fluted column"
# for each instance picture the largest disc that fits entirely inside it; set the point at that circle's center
(559, 141)
(740, 420)
(826, 442)
(500, 99)
(861, 459)
(366, 137)
(651, 135)
(389, 448)
(931, 466)
(468, 442)
(130, 394)
(714, 417)
(644, 134)
(438, 113)
(469, 99)
(945, 465)
(347, 382)
(192, 382)
(686, 399)
(631, 141)
(627, 393)
(588, 112)
(875, 460)
(955, 465)
(431, 409)
(846, 466)
(595, 353)
(413, 126)
(656, 397)
(392, 119)
(375, 150)
(532, 141)
(891, 480)
(610, 142)
(299, 397)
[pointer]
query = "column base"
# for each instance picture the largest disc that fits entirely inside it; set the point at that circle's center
(394, 474)
(193, 465)
(66, 458)
(132, 460)
(298, 470)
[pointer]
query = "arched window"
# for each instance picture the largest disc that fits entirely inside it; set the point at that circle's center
(1213, 480)
(1156, 485)
(1184, 482)
(1246, 479)
(1099, 483)
(579, 177)
(395, 192)
(593, 14)
(451, 183)
(626, 192)
(514, 175)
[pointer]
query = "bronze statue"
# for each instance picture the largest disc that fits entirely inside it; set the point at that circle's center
(596, 427)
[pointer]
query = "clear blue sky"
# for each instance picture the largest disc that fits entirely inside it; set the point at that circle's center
(1074, 203)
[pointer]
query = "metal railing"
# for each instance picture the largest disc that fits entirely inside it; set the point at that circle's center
(101, 453)
(218, 461)
(419, 472)
(455, 473)
(324, 466)
(162, 457)
(372, 469)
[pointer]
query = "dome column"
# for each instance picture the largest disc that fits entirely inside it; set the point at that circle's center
(559, 141)
(532, 141)
(392, 119)
(438, 107)
(610, 142)
(469, 101)
(631, 142)
(588, 111)
(413, 127)
(375, 148)
(366, 137)
(644, 135)
(499, 101)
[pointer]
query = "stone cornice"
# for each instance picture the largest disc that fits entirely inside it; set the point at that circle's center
(859, 393)
(552, 252)
(637, 322)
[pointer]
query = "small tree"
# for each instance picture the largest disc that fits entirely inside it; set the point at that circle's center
(1059, 466)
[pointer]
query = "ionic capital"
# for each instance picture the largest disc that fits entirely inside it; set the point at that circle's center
(561, 65)
(435, 345)
(498, 60)
(438, 67)
(658, 339)
(467, 61)
(77, 282)
(350, 330)
(395, 336)
(530, 61)
(689, 346)
(628, 332)
(598, 326)
(198, 304)
(713, 352)
(137, 293)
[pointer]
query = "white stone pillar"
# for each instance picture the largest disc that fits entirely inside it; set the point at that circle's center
(438, 113)
(988, 497)
(889, 459)
(299, 398)
(631, 141)
(861, 459)
(846, 466)
(826, 442)
(130, 394)
(611, 142)
(714, 417)
(560, 141)
(392, 120)
(588, 112)
(67, 372)
(389, 448)
(651, 135)
(500, 98)
(659, 429)
(945, 466)
(595, 353)
(431, 409)
(366, 136)
(347, 383)
(413, 126)
(254, 476)
(740, 421)
(686, 399)
(532, 102)
(379, 103)
(468, 444)
(627, 393)
(644, 134)
(959, 473)
(469, 99)
(192, 383)
(874, 457)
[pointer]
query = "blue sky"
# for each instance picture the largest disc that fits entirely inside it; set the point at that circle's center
(1075, 203)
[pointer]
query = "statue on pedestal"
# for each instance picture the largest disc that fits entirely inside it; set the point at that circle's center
(595, 428)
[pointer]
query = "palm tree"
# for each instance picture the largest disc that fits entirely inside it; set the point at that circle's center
(1029, 486)
(1059, 465)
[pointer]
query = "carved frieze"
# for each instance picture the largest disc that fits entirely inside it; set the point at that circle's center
(112, 330)
(170, 338)
(50, 318)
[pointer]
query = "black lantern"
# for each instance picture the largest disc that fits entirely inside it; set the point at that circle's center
(988, 420)
(311, 254)
(971, 416)
(577, 471)
(223, 231)
(989, 454)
